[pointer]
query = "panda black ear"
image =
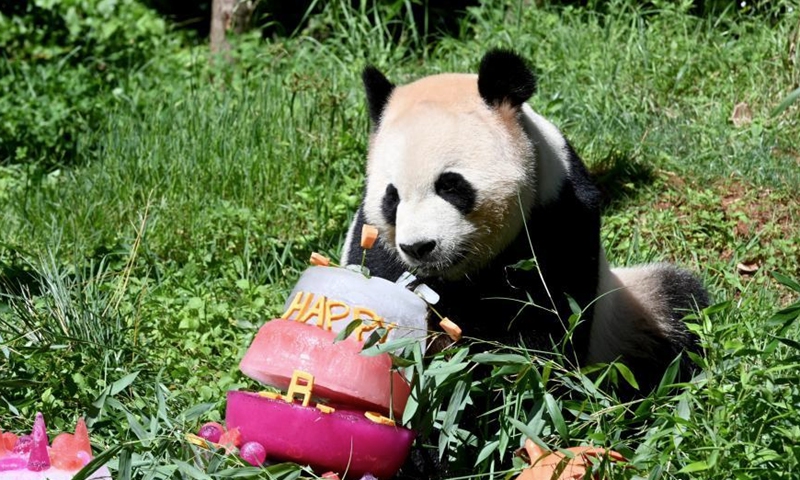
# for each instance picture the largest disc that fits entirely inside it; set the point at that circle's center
(378, 89)
(504, 77)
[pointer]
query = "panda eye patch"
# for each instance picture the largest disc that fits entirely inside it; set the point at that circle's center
(454, 188)
(391, 199)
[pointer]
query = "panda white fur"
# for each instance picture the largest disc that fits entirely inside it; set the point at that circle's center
(464, 180)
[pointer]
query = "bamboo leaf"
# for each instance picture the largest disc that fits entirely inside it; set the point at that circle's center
(694, 467)
(97, 462)
(197, 411)
(347, 330)
(390, 346)
(487, 450)
(190, 470)
(500, 358)
(554, 411)
(626, 374)
(123, 383)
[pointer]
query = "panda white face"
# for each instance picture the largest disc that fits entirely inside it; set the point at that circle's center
(448, 176)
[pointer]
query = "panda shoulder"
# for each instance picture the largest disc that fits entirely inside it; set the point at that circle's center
(557, 163)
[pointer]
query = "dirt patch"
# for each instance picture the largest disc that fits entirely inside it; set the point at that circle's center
(751, 208)
(755, 209)
(734, 219)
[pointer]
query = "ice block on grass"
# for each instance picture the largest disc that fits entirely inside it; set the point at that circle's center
(29, 457)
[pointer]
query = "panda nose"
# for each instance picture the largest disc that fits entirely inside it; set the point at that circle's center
(418, 250)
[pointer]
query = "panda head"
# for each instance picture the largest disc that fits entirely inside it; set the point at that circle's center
(450, 170)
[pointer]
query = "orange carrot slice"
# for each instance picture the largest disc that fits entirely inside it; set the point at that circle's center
(452, 330)
(368, 236)
(319, 260)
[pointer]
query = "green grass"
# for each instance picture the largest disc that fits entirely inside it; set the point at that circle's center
(147, 267)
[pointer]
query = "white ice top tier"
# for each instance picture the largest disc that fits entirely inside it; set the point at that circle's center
(394, 303)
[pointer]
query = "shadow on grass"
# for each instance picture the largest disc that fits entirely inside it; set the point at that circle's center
(17, 276)
(620, 177)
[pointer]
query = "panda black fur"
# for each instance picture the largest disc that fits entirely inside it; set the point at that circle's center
(454, 161)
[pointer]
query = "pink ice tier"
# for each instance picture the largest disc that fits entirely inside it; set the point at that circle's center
(29, 457)
(342, 375)
(340, 441)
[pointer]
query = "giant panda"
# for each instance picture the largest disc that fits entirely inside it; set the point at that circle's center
(464, 180)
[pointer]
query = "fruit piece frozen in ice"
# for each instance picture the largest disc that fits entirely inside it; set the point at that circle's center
(66, 456)
(24, 444)
(63, 441)
(211, 431)
(39, 459)
(9, 439)
(3, 450)
(65, 460)
(64, 452)
(253, 453)
(231, 439)
(82, 437)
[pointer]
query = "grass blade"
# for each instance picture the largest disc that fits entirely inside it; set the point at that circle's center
(786, 102)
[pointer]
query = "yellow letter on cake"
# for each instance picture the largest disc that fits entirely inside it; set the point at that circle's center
(331, 317)
(304, 389)
(317, 310)
(299, 304)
